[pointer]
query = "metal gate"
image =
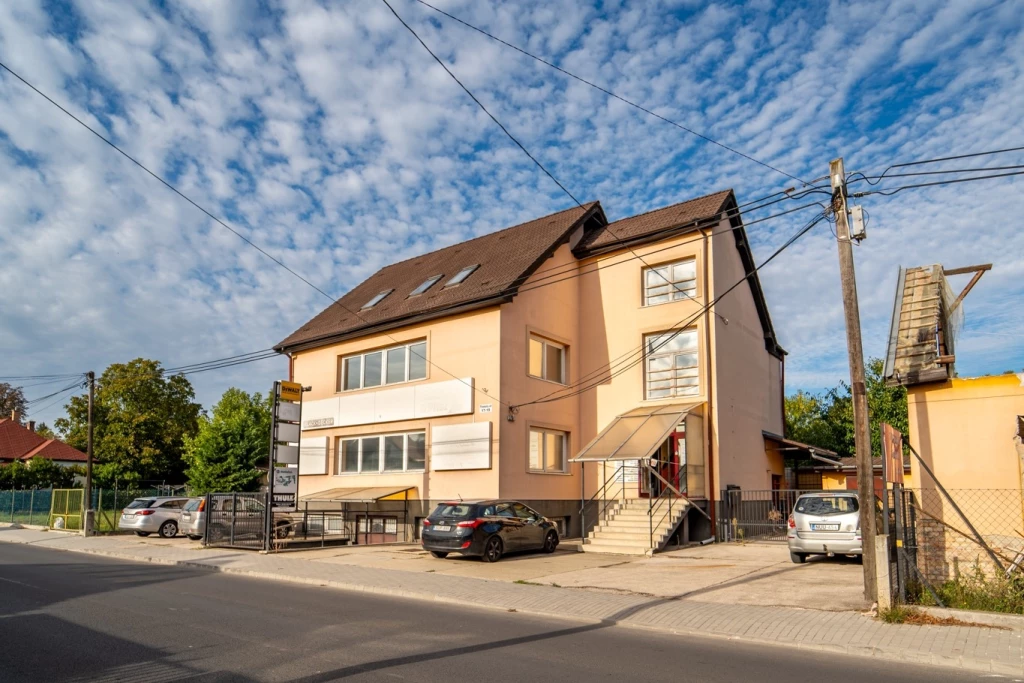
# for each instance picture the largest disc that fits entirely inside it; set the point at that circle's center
(236, 520)
(66, 509)
(755, 515)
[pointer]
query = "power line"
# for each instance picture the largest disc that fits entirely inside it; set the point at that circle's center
(76, 383)
(935, 161)
(889, 193)
(586, 385)
(606, 91)
(223, 224)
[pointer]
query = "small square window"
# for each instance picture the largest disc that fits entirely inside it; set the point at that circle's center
(548, 448)
(547, 360)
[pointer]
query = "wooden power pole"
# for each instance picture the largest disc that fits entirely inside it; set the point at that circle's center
(855, 349)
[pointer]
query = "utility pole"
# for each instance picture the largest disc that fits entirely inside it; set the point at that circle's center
(89, 511)
(862, 437)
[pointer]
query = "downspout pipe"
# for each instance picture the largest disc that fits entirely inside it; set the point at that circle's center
(709, 432)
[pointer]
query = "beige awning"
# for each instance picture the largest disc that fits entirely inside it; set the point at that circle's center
(635, 435)
(359, 495)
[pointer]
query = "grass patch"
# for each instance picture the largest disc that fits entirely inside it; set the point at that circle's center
(980, 591)
(524, 582)
(901, 614)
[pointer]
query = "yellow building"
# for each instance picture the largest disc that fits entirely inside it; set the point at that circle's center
(506, 365)
(968, 431)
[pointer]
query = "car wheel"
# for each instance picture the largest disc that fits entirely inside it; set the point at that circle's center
(142, 533)
(798, 558)
(493, 549)
(168, 529)
(550, 542)
(281, 531)
(195, 538)
(438, 555)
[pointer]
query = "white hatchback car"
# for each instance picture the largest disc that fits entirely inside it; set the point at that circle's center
(147, 516)
(826, 523)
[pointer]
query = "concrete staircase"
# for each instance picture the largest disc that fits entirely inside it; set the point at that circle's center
(627, 531)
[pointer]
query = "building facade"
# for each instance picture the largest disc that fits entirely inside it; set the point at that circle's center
(495, 368)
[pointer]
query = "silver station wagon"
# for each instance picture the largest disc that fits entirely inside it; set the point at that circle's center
(826, 523)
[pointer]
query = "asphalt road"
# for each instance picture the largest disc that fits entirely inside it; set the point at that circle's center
(73, 617)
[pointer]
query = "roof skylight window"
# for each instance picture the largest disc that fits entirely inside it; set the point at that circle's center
(377, 299)
(461, 276)
(427, 284)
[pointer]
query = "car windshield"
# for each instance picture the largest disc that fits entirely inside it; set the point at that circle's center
(193, 504)
(139, 503)
(460, 510)
(827, 505)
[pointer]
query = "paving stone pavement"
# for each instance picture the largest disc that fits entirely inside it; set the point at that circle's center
(998, 651)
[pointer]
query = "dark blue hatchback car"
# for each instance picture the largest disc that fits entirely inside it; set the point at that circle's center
(487, 529)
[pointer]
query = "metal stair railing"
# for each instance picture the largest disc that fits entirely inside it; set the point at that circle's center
(604, 500)
(656, 504)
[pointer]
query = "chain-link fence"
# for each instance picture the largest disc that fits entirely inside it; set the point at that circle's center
(976, 530)
(26, 506)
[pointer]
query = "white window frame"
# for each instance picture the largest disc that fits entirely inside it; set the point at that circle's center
(667, 281)
(461, 276)
(377, 298)
(342, 362)
(544, 432)
(545, 343)
(677, 376)
(340, 454)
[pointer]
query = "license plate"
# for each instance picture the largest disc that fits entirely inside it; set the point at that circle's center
(127, 516)
(824, 527)
(443, 528)
(185, 515)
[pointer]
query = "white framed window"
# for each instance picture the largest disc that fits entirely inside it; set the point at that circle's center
(549, 450)
(670, 282)
(671, 364)
(376, 299)
(461, 276)
(547, 359)
(377, 453)
(427, 284)
(395, 365)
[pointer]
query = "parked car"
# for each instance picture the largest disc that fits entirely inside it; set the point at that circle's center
(487, 529)
(193, 518)
(147, 516)
(826, 523)
(239, 518)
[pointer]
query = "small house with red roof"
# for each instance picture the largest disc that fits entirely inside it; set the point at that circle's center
(22, 443)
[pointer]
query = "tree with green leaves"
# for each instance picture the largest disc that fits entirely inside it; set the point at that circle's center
(44, 431)
(231, 445)
(12, 399)
(826, 420)
(141, 420)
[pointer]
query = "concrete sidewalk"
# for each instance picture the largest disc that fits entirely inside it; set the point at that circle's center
(688, 613)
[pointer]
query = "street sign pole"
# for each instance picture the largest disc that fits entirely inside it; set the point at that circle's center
(269, 509)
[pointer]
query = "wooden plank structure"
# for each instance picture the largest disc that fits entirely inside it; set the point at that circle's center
(920, 337)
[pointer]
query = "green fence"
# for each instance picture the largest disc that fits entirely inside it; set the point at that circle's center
(43, 507)
(28, 506)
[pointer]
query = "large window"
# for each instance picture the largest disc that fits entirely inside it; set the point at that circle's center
(672, 364)
(547, 360)
(388, 366)
(382, 453)
(670, 282)
(548, 448)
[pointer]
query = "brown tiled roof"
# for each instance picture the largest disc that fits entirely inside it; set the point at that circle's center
(506, 258)
(19, 443)
(628, 229)
(16, 441)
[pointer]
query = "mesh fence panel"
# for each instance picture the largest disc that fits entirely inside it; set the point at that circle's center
(950, 534)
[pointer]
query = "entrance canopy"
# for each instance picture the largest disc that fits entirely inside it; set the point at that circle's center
(370, 494)
(635, 435)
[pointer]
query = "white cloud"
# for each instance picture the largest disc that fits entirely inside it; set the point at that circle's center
(327, 135)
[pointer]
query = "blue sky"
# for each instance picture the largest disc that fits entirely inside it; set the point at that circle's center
(324, 133)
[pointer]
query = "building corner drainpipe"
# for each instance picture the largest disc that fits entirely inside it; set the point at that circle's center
(708, 433)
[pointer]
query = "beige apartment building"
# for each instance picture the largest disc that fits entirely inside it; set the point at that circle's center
(563, 361)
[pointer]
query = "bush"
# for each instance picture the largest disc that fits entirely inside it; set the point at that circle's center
(978, 590)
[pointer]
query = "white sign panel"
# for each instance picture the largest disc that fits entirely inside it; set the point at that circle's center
(287, 432)
(288, 455)
(461, 446)
(313, 455)
(420, 401)
(288, 411)
(486, 407)
(286, 487)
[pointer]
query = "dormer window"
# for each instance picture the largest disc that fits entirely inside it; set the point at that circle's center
(461, 276)
(427, 284)
(377, 299)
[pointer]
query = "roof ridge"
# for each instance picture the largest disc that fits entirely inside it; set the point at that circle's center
(585, 207)
(663, 208)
